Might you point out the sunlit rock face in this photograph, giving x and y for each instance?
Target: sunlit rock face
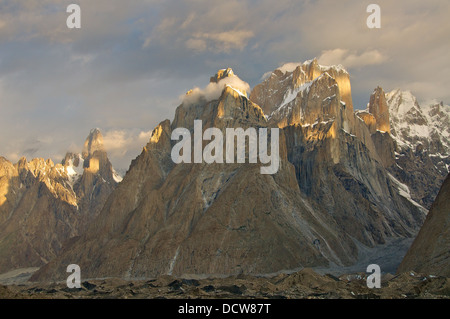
(287, 91)
(379, 109)
(341, 158)
(369, 119)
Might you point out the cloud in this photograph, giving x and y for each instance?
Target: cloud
(351, 59)
(288, 67)
(198, 45)
(220, 41)
(124, 145)
(120, 142)
(213, 90)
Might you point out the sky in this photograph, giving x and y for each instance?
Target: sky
(127, 67)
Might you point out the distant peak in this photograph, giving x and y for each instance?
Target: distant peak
(94, 142)
(95, 131)
(288, 67)
(312, 64)
(378, 89)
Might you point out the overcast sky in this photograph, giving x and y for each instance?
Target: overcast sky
(126, 68)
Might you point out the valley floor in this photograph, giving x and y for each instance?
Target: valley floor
(305, 284)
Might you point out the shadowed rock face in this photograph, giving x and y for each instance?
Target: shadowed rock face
(430, 252)
(331, 190)
(43, 205)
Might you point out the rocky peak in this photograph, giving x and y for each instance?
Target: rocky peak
(413, 124)
(221, 74)
(94, 142)
(43, 204)
(288, 82)
(379, 109)
(224, 100)
(94, 154)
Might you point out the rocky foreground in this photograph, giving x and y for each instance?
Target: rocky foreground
(305, 284)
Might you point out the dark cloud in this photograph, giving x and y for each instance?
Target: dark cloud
(126, 68)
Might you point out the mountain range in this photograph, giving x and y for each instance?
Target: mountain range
(349, 182)
(43, 205)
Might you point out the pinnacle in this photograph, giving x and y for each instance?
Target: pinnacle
(222, 74)
(94, 142)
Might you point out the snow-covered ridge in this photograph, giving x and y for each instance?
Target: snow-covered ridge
(74, 172)
(413, 124)
(291, 66)
(404, 191)
(290, 96)
(236, 90)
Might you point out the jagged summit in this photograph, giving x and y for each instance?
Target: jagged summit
(413, 124)
(221, 74)
(223, 79)
(380, 110)
(42, 204)
(411, 139)
(310, 65)
(94, 142)
(288, 87)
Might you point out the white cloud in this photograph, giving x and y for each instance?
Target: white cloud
(213, 90)
(219, 41)
(198, 45)
(288, 67)
(120, 142)
(351, 59)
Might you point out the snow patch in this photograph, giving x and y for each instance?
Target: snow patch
(174, 259)
(404, 191)
(117, 178)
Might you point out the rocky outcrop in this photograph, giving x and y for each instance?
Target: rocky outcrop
(369, 119)
(429, 252)
(379, 109)
(43, 205)
(98, 179)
